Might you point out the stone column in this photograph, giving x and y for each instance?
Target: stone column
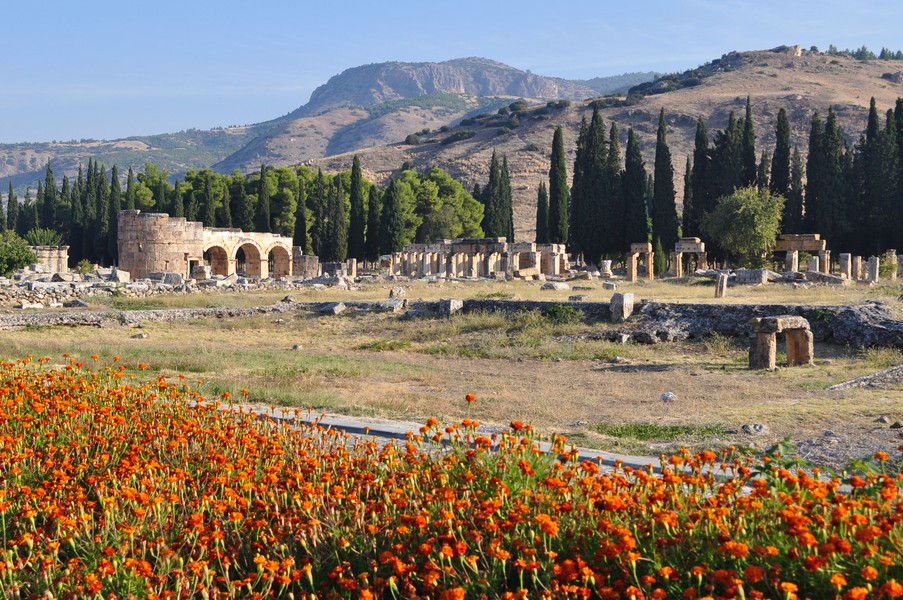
(900, 266)
(792, 261)
(813, 264)
(720, 285)
(824, 261)
(650, 266)
(605, 269)
(677, 264)
(702, 260)
(845, 260)
(800, 349)
(476, 261)
(874, 266)
(763, 351)
(856, 268)
(892, 260)
(632, 267)
(621, 307)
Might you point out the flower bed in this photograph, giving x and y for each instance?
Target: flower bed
(109, 486)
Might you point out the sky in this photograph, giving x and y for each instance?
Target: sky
(111, 69)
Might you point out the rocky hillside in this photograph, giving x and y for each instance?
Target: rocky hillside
(774, 79)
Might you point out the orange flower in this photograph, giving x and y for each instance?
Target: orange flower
(838, 580)
(891, 589)
(452, 594)
(869, 573)
(754, 574)
(470, 398)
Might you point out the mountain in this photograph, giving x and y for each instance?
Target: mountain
(786, 77)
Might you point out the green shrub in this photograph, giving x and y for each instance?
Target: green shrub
(84, 266)
(562, 313)
(14, 253)
(43, 237)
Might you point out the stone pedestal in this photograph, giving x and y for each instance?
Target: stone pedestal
(763, 351)
(605, 269)
(824, 262)
(856, 268)
(874, 266)
(891, 257)
(632, 267)
(621, 307)
(677, 264)
(800, 348)
(813, 264)
(792, 261)
(845, 265)
(721, 285)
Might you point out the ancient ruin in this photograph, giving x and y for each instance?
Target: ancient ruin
(155, 242)
(482, 257)
(763, 341)
(688, 245)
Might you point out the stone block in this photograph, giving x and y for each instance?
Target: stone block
(643, 248)
(763, 351)
(621, 307)
(800, 349)
(333, 308)
(578, 298)
(689, 245)
(555, 285)
(609, 285)
(393, 305)
(751, 276)
(449, 306)
(721, 285)
(792, 261)
(874, 268)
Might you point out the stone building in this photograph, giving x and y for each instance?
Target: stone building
(483, 257)
(156, 242)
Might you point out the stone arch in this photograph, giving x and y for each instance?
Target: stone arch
(218, 258)
(279, 260)
(249, 258)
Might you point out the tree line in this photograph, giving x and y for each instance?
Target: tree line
(334, 216)
(851, 194)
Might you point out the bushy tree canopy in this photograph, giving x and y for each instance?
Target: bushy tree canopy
(14, 253)
(745, 223)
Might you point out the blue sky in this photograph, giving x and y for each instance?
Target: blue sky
(109, 69)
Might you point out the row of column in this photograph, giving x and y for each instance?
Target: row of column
(854, 268)
(476, 264)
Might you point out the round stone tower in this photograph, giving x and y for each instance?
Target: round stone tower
(156, 242)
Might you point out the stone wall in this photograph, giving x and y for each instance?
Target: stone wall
(155, 242)
(55, 257)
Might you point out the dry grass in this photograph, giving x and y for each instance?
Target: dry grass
(376, 365)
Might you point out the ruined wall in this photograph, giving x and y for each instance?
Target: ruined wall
(155, 242)
(55, 257)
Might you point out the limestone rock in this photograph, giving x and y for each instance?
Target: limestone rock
(333, 308)
(754, 429)
(578, 298)
(393, 305)
(449, 306)
(397, 292)
(555, 285)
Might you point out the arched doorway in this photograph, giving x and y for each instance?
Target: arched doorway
(280, 262)
(218, 259)
(248, 260)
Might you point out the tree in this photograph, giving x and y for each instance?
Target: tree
(114, 206)
(178, 203)
(664, 210)
(495, 213)
(262, 212)
(372, 245)
(224, 210)
(589, 194)
(814, 170)
(763, 170)
(130, 203)
(746, 223)
(391, 222)
(337, 224)
(559, 195)
(700, 185)
(319, 198)
(299, 237)
(506, 203)
(792, 221)
(14, 253)
(686, 214)
(241, 209)
(749, 147)
(50, 200)
(12, 209)
(357, 223)
(542, 214)
(780, 160)
(636, 215)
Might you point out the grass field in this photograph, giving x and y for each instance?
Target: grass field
(601, 394)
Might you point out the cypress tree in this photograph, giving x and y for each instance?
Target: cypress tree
(38, 207)
(89, 230)
(659, 259)
(178, 204)
(780, 160)
(338, 220)
(262, 212)
(372, 245)
(636, 216)
(559, 195)
(814, 173)
(64, 208)
(589, 193)
(391, 222)
(830, 215)
(102, 215)
(242, 211)
(664, 209)
(160, 199)
(613, 210)
(114, 206)
(224, 211)
(542, 215)
(76, 220)
(577, 211)
(358, 218)
(726, 170)
(687, 212)
(493, 218)
(3, 215)
(209, 215)
(192, 208)
(701, 188)
(749, 148)
(299, 237)
(506, 204)
(50, 200)
(318, 230)
(12, 209)
(792, 219)
(763, 170)
(130, 202)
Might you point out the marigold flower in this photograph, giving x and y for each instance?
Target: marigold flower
(869, 573)
(891, 589)
(856, 593)
(470, 398)
(753, 574)
(452, 594)
(838, 580)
